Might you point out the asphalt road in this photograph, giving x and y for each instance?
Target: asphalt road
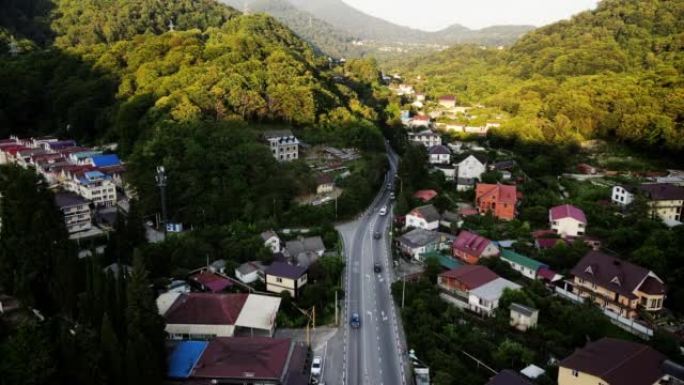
(373, 353)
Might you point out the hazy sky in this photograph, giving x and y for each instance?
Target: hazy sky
(432, 15)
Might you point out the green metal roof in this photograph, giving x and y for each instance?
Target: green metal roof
(520, 259)
(445, 261)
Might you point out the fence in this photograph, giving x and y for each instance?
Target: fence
(626, 324)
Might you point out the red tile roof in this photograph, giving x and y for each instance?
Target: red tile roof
(567, 211)
(548, 243)
(251, 359)
(471, 243)
(618, 362)
(471, 276)
(213, 282)
(425, 195)
(502, 193)
(205, 309)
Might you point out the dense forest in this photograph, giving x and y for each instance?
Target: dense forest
(614, 72)
(186, 84)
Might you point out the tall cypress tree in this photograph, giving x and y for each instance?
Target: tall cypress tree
(145, 354)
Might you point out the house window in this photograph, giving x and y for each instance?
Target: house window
(575, 373)
(279, 280)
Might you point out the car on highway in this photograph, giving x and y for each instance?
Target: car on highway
(355, 321)
(383, 210)
(316, 366)
(377, 267)
(377, 235)
(392, 196)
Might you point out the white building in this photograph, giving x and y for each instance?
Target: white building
(439, 154)
(284, 145)
(427, 138)
(448, 171)
(485, 299)
(471, 168)
(567, 221)
(424, 217)
(271, 240)
(250, 272)
(622, 196)
(95, 187)
(419, 121)
(523, 317)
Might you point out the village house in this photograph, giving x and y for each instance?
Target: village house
(76, 211)
(439, 154)
(427, 138)
(95, 187)
(484, 300)
(508, 377)
(283, 144)
(238, 360)
(448, 171)
(209, 315)
(459, 281)
(470, 247)
(425, 195)
(419, 121)
(324, 184)
(469, 171)
(526, 266)
(450, 220)
(424, 217)
(622, 195)
(271, 240)
(419, 241)
(281, 277)
(617, 285)
(447, 101)
(665, 201)
(420, 97)
(611, 361)
(304, 251)
(209, 281)
(523, 317)
(567, 221)
(498, 199)
(250, 272)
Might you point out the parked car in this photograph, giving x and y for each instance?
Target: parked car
(316, 366)
(355, 321)
(377, 268)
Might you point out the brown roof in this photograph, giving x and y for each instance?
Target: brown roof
(244, 358)
(618, 362)
(508, 377)
(205, 309)
(471, 276)
(662, 192)
(613, 273)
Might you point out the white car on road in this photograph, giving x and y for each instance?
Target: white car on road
(316, 366)
(383, 210)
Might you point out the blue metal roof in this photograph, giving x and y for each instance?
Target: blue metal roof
(106, 160)
(184, 357)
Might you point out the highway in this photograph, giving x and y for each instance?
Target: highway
(373, 353)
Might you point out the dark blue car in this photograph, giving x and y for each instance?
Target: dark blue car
(355, 321)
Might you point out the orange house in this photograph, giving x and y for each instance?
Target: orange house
(499, 199)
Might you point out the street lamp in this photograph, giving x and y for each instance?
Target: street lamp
(161, 183)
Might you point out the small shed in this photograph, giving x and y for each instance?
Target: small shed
(523, 317)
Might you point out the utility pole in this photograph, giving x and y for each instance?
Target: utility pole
(403, 289)
(161, 183)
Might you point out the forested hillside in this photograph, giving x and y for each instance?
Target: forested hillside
(615, 72)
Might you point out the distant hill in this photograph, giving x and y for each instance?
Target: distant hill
(323, 36)
(614, 72)
(337, 29)
(345, 17)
